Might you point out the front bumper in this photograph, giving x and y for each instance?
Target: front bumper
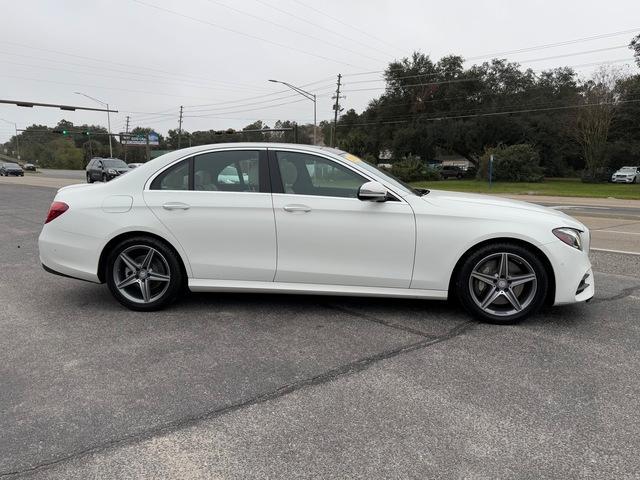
(14, 174)
(623, 180)
(573, 274)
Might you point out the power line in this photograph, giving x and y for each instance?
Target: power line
(321, 27)
(244, 34)
(295, 95)
(521, 50)
(489, 114)
(349, 25)
(144, 80)
(258, 96)
(322, 40)
(137, 67)
(248, 110)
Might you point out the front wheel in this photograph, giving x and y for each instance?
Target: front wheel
(502, 283)
(104, 178)
(144, 274)
(89, 179)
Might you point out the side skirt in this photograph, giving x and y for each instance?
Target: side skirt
(203, 285)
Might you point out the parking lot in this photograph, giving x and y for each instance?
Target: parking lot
(265, 386)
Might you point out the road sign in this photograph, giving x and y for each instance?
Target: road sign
(139, 140)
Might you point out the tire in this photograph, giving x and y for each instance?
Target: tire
(89, 179)
(104, 178)
(136, 283)
(476, 283)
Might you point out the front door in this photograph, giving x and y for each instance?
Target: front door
(219, 208)
(326, 235)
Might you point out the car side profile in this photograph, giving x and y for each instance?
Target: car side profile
(286, 218)
(451, 171)
(105, 169)
(626, 175)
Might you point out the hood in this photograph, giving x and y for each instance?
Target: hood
(497, 206)
(11, 167)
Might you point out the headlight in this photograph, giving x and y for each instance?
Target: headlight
(111, 171)
(570, 236)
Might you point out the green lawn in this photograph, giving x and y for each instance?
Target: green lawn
(563, 187)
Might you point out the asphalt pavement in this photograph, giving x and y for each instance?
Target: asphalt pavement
(266, 386)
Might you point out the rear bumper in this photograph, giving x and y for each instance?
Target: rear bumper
(69, 254)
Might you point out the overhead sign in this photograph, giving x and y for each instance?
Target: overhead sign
(139, 140)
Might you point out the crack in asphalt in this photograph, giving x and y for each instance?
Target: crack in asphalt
(381, 321)
(626, 292)
(320, 379)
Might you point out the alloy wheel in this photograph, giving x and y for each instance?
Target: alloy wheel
(141, 274)
(503, 284)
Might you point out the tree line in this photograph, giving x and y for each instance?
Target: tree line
(571, 125)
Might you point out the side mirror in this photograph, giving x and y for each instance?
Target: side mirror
(372, 192)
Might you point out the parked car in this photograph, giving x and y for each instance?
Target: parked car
(626, 175)
(135, 165)
(451, 171)
(105, 169)
(310, 220)
(7, 169)
(29, 166)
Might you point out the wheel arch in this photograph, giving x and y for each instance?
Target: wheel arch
(130, 234)
(551, 291)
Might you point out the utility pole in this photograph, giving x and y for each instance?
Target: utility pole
(126, 139)
(336, 110)
(180, 128)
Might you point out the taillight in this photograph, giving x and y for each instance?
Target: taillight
(55, 210)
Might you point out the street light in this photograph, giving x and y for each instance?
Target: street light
(108, 118)
(304, 93)
(15, 125)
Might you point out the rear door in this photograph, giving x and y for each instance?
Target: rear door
(218, 206)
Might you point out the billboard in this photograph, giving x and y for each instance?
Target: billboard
(139, 140)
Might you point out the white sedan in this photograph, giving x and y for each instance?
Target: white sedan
(285, 218)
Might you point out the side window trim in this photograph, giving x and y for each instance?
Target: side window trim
(264, 178)
(276, 178)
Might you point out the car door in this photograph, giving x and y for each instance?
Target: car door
(326, 235)
(218, 205)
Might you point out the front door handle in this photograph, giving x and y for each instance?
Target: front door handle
(296, 208)
(176, 206)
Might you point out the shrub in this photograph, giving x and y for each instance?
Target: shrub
(515, 163)
(413, 170)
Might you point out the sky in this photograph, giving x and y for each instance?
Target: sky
(146, 58)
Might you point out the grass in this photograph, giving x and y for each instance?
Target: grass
(561, 187)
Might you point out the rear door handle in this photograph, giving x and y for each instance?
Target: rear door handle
(176, 206)
(296, 208)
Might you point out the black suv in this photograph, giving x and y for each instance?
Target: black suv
(451, 171)
(105, 169)
(7, 169)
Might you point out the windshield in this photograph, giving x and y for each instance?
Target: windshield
(114, 163)
(628, 169)
(400, 185)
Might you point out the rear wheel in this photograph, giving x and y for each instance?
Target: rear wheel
(502, 283)
(144, 274)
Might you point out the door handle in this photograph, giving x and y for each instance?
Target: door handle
(176, 206)
(296, 208)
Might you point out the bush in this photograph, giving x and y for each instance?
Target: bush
(413, 170)
(516, 163)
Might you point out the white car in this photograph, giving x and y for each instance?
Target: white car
(310, 220)
(626, 175)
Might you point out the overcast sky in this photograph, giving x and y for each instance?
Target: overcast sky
(215, 56)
